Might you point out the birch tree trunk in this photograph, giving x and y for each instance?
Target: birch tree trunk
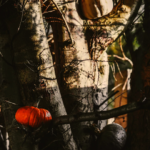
(78, 77)
(82, 66)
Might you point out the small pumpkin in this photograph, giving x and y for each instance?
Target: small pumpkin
(32, 116)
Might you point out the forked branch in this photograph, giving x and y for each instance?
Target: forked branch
(124, 58)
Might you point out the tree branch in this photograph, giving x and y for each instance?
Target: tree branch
(102, 115)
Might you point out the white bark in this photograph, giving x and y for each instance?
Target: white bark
(100, 92)
(47, 73)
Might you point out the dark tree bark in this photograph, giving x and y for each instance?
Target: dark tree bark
(10, 92)
(139, 122)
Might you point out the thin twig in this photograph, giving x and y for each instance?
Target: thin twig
(48, 12)
(113, 65)
(124, 58)
(125, 83)
(8, 102)
(45, 1)
(46, 8)
(113, 72)
(138, 17)
(119, 69)
(116, 86)
(129, 71)
(114, 99)
(1, 54)
(23, 6)
(51, 38)
(108, 98)
(29, 68)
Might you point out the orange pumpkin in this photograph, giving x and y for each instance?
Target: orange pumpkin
(32, 116)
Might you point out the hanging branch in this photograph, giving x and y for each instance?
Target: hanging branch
(102, 115)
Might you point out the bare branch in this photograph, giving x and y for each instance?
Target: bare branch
(112, 68)
(116, 86)
(124, 56)
(102, 115)
(119, 69)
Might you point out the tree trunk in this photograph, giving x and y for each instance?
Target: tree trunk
(34, 65)
(78, 78)
(139, 122)
(82, 65)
